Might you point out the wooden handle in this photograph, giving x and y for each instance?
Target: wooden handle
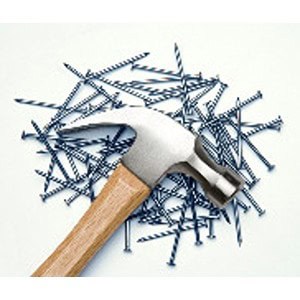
(121, 195)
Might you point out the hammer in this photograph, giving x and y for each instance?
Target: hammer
(161, 146)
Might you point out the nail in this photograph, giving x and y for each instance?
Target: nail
(169, 232)
(237, 221)
(211, 234)
(192, 185)
(178, 93)
(154, 70)
(127, 231)
(185, 95)
(253, 202)
(139, 87)
(75, 108)
(51, 151)
(253, 148)
(148, 81)
(40, 104)
(97, 174)
(119, 65)
(203, 92)
(274, 124)
(82, 156)
(54, 138)
(243, 205)
(125, 89)
(71, 184)
(219, 94)
(155, 196)
(171, 261)
(63, 107)
(232, 111)
(179, 85)
(90, 179)
(225, 215)
(226, 138)
(49, 173)
(212, 151)
(176, 90)
(239, 135)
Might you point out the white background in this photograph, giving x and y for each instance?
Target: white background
(247, 57)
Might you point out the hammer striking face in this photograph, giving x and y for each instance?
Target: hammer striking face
(161, 146)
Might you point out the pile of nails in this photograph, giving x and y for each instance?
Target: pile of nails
(178, 202)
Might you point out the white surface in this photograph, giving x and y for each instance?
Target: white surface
(247, 57)
(150, 11)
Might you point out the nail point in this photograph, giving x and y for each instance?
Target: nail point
(262, 213)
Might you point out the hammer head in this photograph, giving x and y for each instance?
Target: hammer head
(163, 146)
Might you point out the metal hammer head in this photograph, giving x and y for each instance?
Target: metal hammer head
(163, 146)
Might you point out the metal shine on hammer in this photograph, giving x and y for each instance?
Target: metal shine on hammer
(161, 146)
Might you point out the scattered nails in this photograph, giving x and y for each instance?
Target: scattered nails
(83, 161)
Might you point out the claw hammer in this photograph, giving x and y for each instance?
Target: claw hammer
(161, 146)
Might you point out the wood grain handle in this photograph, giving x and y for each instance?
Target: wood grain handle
(121, 195)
